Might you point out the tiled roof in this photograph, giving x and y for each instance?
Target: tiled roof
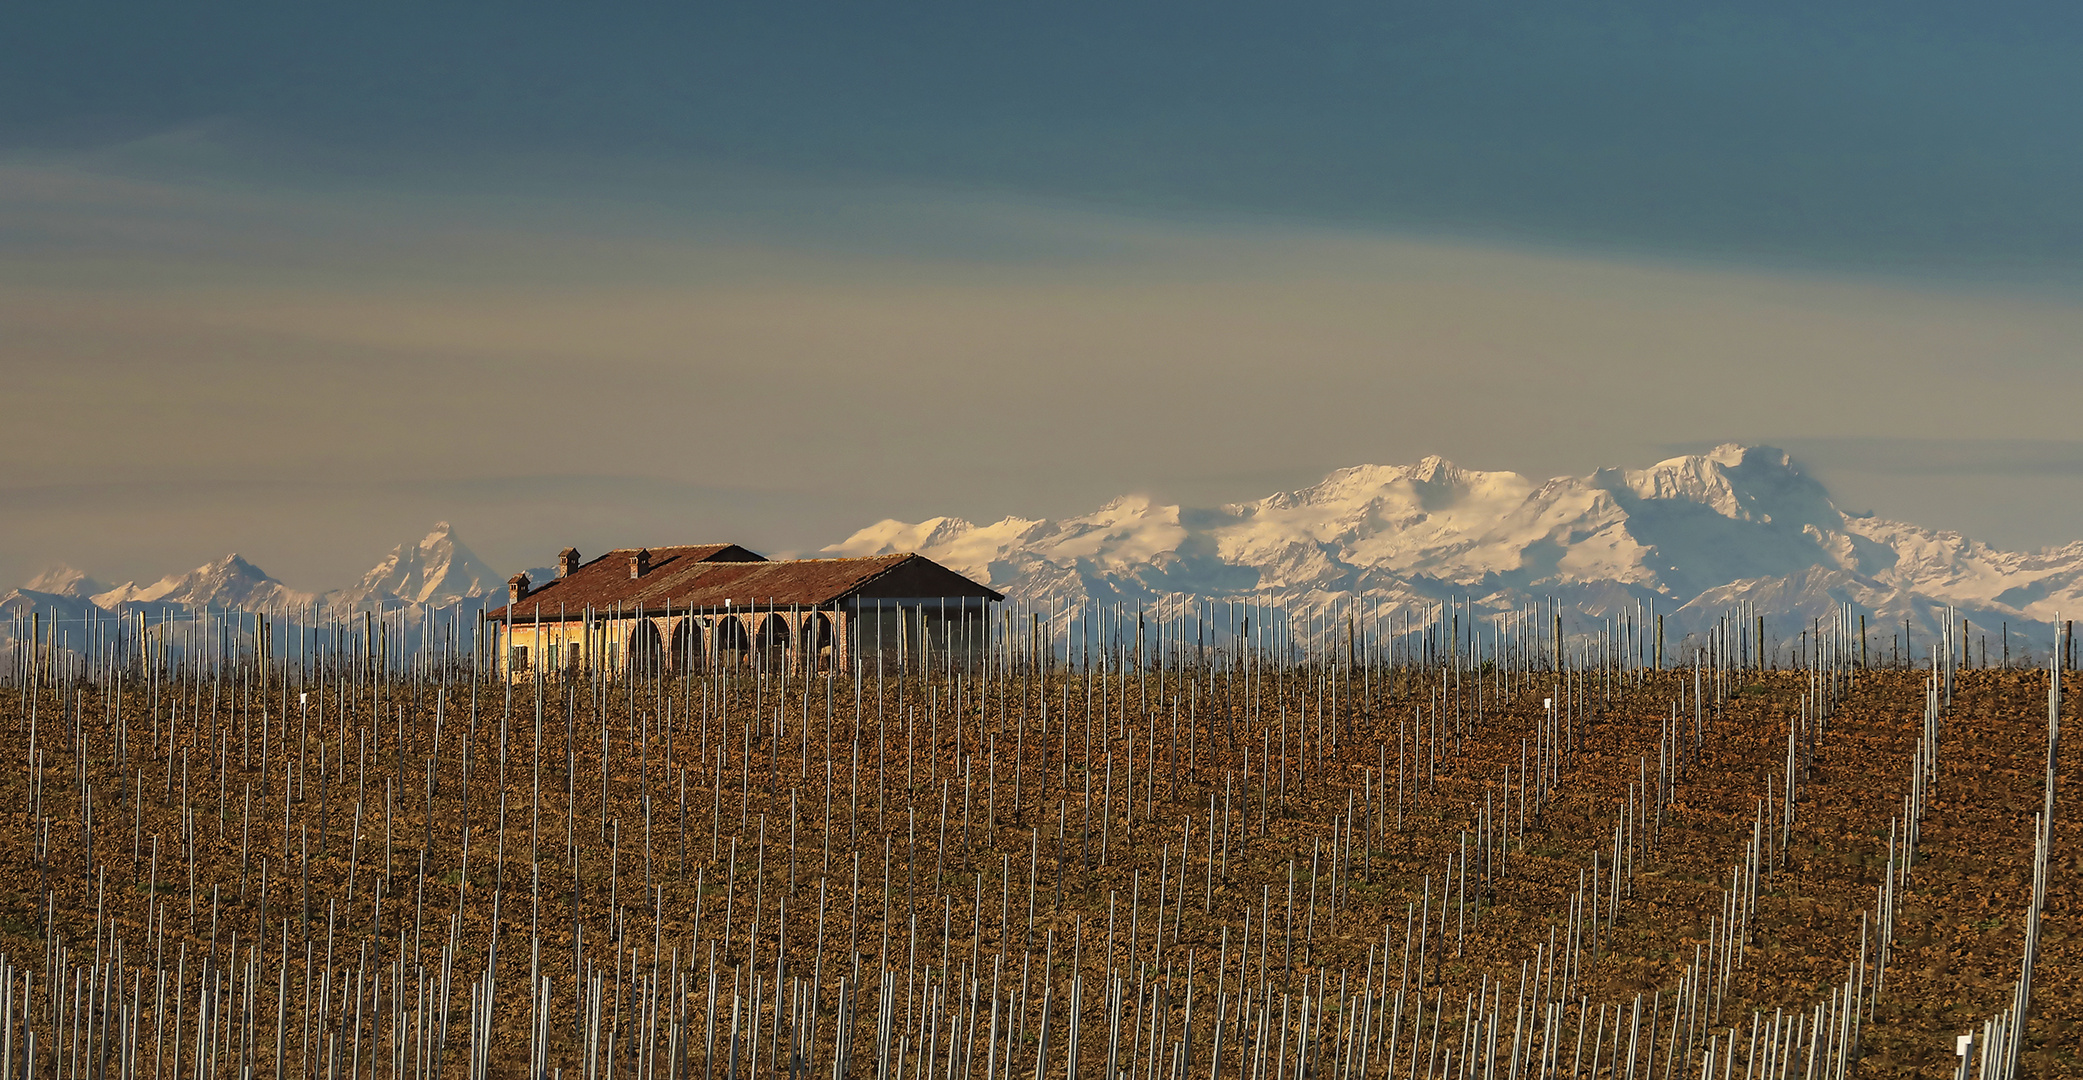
(688, 582)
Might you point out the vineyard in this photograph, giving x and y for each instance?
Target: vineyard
(1381, 849)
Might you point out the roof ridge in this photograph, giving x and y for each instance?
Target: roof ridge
(673, 547)
(898, 560)
(706, 584)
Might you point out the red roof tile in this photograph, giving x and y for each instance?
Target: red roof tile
(687, 579)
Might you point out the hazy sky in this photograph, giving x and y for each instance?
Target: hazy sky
(299, 283)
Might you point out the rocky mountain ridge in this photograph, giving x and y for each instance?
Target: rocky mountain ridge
(436, 571)
(1692, 536)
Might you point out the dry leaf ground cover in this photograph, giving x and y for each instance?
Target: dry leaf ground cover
(603, 844)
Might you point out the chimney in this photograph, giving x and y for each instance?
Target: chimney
(640, 563)
(567, 562)
(517, 588)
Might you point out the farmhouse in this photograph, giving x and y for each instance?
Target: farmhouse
(684, 610)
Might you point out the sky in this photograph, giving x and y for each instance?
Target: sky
(299, 282)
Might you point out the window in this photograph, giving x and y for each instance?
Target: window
(518, 658)
(573, 663)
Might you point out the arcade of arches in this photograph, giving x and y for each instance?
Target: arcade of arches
(685, 644)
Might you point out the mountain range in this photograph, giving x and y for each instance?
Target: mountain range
(437, 571)
(1691, 537)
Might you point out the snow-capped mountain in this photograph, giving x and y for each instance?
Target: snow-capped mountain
(438, 570)
(62, 580)
(229, 583)
(52, 607)
(1691, 536)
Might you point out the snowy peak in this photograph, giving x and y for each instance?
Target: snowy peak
(890, 535)
(2037, 585)
(63, 580)
(1692, 535)
(1433, 515)
(437, 570)
(1756, 484)
(228, 583)
(1732, 523)
(1430, 469)
(54, 608)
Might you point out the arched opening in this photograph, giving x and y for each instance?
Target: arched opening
(645, 657)
(687, 647)
(814, 637)
(772, 639)
(729, 639)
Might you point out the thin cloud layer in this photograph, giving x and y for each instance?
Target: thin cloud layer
(212, 356)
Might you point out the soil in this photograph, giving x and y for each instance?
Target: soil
(578, 855)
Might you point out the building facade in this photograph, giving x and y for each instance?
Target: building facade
(690, 610)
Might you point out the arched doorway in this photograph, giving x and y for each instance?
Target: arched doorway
(772, 639)
(645, 657)
(729, 640)
(686, 657)
(814, 637)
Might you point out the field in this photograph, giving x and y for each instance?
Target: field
(1338, 864)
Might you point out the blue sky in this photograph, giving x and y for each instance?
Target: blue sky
(1100, 237)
